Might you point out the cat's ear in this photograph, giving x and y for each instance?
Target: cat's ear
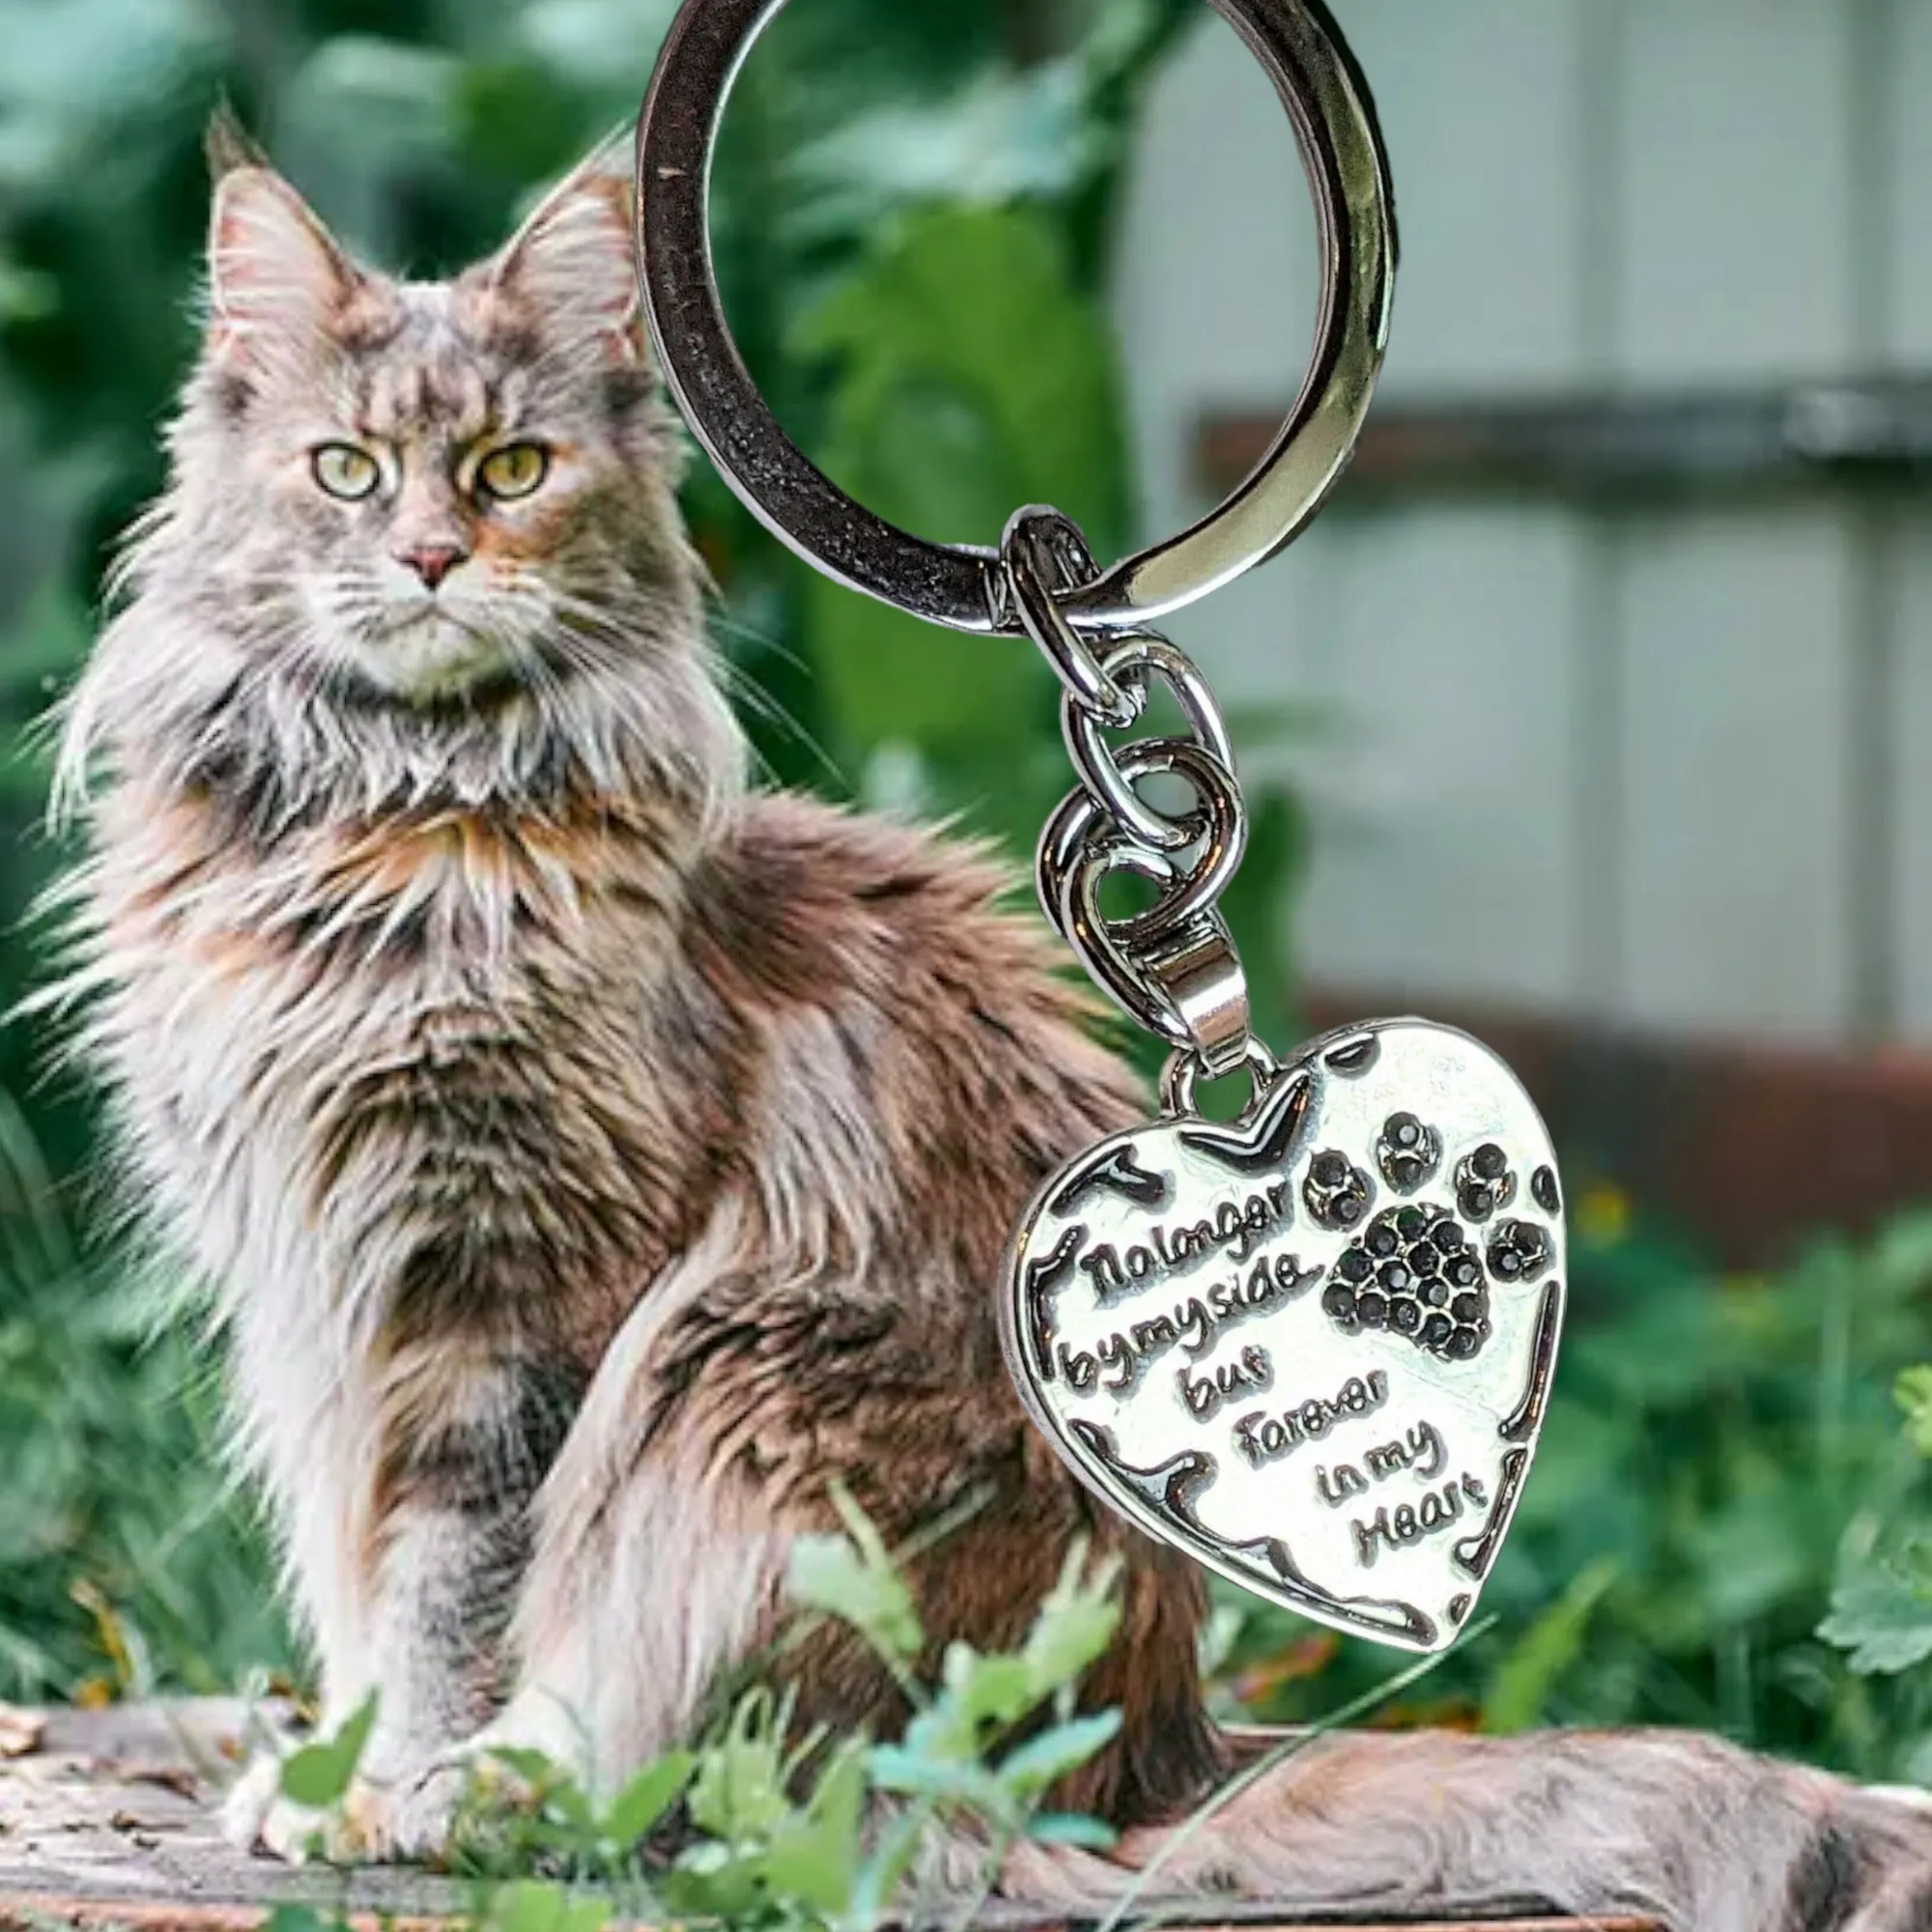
(228, 145)
(572, 261)
(275, 275)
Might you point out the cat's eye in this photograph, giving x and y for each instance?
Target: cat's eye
(345, 471)
(514, 470)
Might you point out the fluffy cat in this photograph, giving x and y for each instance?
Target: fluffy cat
(591, 1157)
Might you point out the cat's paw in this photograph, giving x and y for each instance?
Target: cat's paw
(416, 1819)
(412, 1819)
(249, 1800)
(256, 1816)
(378, 1821)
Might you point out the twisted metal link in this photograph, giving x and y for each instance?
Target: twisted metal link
(1174, 966)
(1129, 661)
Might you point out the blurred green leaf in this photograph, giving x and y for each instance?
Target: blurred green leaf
(318, 1774)
(972, 378)
(1075, 1624)
(648, 1796)
(1521, 1684)
(815, 1854)
(1912, 1392)
(1069, 1827)
(1882, 1613)
(852, 1577)
(1057, 1752)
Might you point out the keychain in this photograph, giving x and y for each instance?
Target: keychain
(1312, 1347)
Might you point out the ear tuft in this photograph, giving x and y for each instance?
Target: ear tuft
(275, 275)
(573, 260)
(228, 145)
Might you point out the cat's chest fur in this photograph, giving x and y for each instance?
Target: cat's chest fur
(404, 1067)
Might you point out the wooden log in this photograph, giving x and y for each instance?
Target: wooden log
(107, 1820)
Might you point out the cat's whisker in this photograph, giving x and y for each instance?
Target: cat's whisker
(740, 685)
(721, 621)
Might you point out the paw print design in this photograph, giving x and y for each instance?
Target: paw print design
(1483, 1182)
(1409, 1153)
(1415, 1270)
(1336, 1190)
(1519, 1251)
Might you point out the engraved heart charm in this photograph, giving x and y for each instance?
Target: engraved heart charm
(1313, 1350)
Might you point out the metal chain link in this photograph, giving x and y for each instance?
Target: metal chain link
(1172, 967)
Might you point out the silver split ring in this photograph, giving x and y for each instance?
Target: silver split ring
(957, 585)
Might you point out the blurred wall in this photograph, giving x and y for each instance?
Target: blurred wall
(1664, 764)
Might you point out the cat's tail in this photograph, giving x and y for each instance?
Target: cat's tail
(1629, 1827)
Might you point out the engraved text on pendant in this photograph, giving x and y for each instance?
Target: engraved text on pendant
(1313, 1351)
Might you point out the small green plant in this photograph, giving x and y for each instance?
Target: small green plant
(1882, 1601)
(781, 1828)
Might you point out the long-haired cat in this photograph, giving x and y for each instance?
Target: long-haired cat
(591, 1157)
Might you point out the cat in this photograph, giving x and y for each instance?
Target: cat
(589, 1155)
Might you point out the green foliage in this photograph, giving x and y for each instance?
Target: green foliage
(1882, 1610)
(125, 1561)
(971, 380)
(772, 1825)
(1523, 1683)
(1882, 1604)
(1912, 1392)
(852, 1578)
(943, 1762)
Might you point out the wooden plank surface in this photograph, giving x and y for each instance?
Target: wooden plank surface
(107, 1820)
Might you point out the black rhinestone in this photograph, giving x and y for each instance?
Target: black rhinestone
(1465, 1274)
(1489, 1160)
(1355, 1264)
(1423, 1258)
(1543, 1185)
(1373, 1308)
(1405, 1318)
(1436, 1330)
(1339, 1302)
(1506, 1262)
(1404, 1129)
(1347, 1209)
(1382, 1240)
(1436, 1292)
(1462, 1344)
(1447, 1235)
(1468, 1308)
(1393, 1276)
(1329, 1169)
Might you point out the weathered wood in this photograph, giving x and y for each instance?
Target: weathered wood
(1747, 444)
(107, 1819)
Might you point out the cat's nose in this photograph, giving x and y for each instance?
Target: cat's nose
(432, 562)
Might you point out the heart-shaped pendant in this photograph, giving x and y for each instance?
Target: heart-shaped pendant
(1311, 1349)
